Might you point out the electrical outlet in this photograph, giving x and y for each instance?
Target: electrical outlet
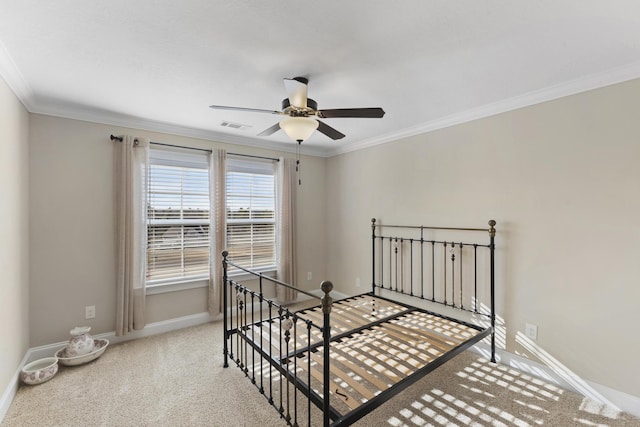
(90, 312)
(309, 275)
(357, 282)
(531, 331)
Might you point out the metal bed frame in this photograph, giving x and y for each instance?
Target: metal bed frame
(294, 357)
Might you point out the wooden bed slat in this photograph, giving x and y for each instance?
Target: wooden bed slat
(395, 327)
(420, 351)
(442, 326)
(371, 360)
(339, 322)
(375, 308)
(369, 375)
(349, 401)
(345, 377)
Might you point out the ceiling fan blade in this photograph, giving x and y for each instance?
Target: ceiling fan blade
(297, 91)
(271, 130)
(253, 110)
(373, 113)
(329, 131)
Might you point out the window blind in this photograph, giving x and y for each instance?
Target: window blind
(177, 217)
(250, 191)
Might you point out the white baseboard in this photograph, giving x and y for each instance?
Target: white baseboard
(155, 328)
(605, 395)
(623, 401)
(567, 380)
(149, 330)
(50, 349)
(12, 389)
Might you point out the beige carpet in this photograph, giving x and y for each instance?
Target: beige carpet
(177, 379)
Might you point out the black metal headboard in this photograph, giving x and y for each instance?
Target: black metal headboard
(442, 265)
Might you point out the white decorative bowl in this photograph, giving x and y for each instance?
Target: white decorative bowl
(100, 345)
(39, 371)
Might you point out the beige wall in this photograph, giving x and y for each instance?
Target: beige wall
(560, 178)
(72, 227)
(562, 181)
(14, 234)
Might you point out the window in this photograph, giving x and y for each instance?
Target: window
(178, 217)
(250, 191)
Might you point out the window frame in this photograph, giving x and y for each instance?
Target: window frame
(174, 158)
(257, 166)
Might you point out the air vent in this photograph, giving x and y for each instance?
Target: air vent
(232, 125)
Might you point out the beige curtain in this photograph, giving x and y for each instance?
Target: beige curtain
(285, 227)
(132, 166)
(218, 229)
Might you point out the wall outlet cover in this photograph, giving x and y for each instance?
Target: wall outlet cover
(531, 331)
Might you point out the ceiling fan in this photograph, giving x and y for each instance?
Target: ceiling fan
(299, 125)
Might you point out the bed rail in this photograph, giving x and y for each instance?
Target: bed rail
(407, 261)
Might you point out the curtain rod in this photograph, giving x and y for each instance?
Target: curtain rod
(119, 139)
(255, 157)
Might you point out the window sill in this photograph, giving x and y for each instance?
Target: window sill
(181, 285)
(202, 282)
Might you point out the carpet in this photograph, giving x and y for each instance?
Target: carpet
(177, 379)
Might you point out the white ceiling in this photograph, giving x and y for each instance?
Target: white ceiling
(159, 64)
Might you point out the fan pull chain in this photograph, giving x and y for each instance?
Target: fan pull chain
(298, 162)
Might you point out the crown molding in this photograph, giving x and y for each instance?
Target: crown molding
(572, 87)
(14, 78)
(21, 88)
(18, 84)
(88, 114)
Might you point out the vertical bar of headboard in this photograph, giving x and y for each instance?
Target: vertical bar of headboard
(492, 249)
(390, 263)
(453, 274)
(373, 256)
(421, 262)
(381, 276)
(444, 271)
(461, 281)
(475, 278)
(411, 266)
(433, 270)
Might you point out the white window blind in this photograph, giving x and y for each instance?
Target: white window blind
(178, 217)
(250, 188)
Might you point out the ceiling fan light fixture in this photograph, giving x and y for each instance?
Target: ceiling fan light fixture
(299, 128)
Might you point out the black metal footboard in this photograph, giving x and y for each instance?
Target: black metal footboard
(265, 339)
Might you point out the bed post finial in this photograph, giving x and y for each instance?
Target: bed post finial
(326, 287)
(492, 230)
